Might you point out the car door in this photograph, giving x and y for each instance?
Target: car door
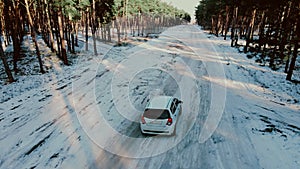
(175, 108)
(177, 104)
(173, 111)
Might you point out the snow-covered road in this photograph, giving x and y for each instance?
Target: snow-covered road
(86, 115)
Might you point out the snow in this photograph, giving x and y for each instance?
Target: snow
(236, 113)
(269, 108)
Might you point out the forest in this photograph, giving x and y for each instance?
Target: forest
(59, 23)
(270, 29)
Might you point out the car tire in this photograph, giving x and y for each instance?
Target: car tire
(180, 111)
(144, 134)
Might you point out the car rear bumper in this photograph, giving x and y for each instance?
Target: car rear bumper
(157, 131)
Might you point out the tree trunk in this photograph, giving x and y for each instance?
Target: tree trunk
(2, 21)
(226, 22)
(293, 62)
(72, 38)
(143, 25)
(295, 53)
(102, 32)
(261, 33)
(68, 33)
(285, 31)
(233, 26)
(126, 19)
(108, 32)
(249, 33)
(218, 24)
(6, 66)
(287, 63)
(76, 34)
(138, 23)
(33, 36)
(58, 40)
(93, 22)
(118, 30)
(11, 22)
(61, 36)
(49, 27)
(87, 30)
(133, 24)
(213, 25)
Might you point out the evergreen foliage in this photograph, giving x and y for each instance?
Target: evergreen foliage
(270, 28)
(59, 22)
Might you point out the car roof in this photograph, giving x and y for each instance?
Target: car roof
(160, 102)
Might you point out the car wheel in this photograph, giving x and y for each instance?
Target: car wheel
(180, 111)
(144, 134)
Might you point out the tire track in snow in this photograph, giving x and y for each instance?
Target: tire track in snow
(34, 126)
(186, 157)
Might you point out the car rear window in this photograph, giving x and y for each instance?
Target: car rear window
(156, 114)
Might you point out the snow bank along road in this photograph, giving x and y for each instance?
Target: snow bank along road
(87, 115)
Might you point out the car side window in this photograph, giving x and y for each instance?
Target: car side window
(176, 102)
(173, 107)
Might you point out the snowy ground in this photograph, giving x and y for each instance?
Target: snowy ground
(236, 114)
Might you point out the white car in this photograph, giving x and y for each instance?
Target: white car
(160, 115)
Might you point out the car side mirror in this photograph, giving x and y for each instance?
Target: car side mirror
(180, 101)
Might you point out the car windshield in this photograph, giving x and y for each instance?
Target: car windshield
(156, 114)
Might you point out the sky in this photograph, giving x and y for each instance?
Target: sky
(187, 5)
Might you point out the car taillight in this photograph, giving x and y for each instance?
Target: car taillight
(143, 120)
(169, 122)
